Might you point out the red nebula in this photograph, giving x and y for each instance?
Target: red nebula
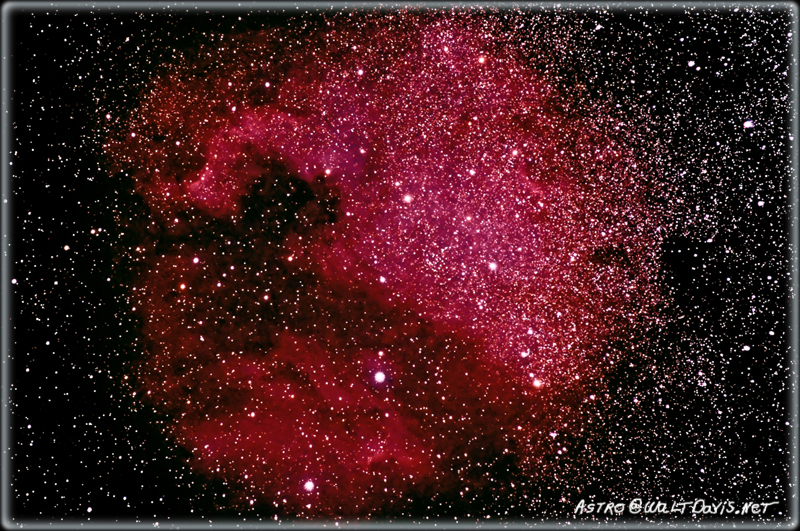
(399, 195)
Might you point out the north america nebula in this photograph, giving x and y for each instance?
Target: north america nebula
(383, 261)
(305, 265)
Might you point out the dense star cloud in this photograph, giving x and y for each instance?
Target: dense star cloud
(380, 261)
(474, 265)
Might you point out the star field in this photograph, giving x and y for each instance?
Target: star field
(452, 264)
(407, 201)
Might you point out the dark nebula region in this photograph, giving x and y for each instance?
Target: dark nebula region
(381, 262)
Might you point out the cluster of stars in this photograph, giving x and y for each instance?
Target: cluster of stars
(407, 274)
(270, 191)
